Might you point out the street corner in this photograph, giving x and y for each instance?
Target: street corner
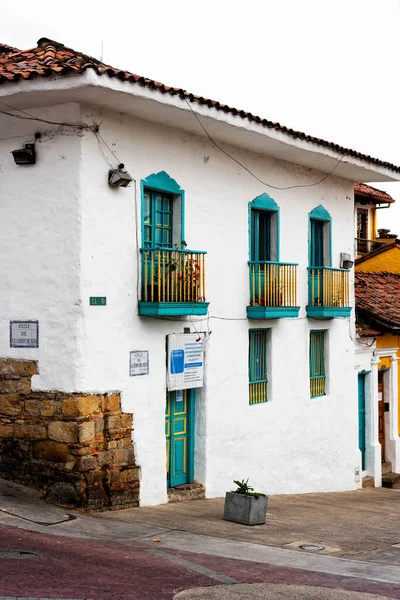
(270, 591)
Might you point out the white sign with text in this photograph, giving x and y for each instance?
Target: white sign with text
(185, 361)
(24, 334)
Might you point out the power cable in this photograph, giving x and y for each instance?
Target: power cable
(30, 117)
(275, 187)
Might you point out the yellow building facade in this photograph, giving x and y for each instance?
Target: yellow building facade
(384, 260)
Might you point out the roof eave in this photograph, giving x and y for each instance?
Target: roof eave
(171, 110)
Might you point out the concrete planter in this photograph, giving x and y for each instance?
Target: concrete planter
(248, 510)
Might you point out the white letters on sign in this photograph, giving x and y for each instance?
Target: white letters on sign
(24, 334)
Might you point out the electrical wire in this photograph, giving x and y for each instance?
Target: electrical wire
(108, 147)
(102, 151)
(275, 187)
(30, 117)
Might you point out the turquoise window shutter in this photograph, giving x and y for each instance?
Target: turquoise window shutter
(317, 363)
(258, 369)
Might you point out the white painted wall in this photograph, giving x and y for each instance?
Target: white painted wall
(39, 242)
(292, 444)
(88, 247)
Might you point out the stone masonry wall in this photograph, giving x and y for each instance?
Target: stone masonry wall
(76, 448)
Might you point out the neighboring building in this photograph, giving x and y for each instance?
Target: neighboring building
(377, 292)
(104, 272)
(368, 200)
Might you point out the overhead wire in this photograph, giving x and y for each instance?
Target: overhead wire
(30, 117)
(275, 187)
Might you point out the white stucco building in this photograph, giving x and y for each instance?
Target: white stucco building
(260, 283)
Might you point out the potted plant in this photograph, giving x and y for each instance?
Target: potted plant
(383, 233)
(244, 505)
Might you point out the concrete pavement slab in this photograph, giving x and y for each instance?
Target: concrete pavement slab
(276, 556)
(358, 525)
(262, 591)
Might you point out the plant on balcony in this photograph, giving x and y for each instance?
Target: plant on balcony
(244, 505)
(383, 233)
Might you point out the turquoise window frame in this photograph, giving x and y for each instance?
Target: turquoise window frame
(320, 214)
(258, 366)
(317, 361)
(267, 204)
(162, 182)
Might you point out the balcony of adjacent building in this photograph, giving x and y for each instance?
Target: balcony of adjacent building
(328, 293)
(273, 290)
(364, 246)
(173, 282)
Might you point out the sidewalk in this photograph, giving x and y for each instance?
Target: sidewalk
(190, 546)
(360, 525)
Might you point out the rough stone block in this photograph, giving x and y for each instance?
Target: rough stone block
(128, 475)
(98, 426)
(112, 403)
(117, 422)
(62, 493)
(81, 406)
(32, 407)
(10, 405)
(85, 463)
(29, 431)
(6, 430)
(23, 368)
(122, 456)
(103, 459)
(63, 431)
(85, 432)
(81, 451)
(51, 451)
(48, 408)
(94, 477)
(21, 385)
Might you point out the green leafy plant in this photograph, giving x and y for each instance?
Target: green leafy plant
(246, 490)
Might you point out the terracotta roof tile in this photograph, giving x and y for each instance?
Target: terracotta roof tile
(5, 49)
(378, 299)
(375, 195)
(365, 331)
(51, 57)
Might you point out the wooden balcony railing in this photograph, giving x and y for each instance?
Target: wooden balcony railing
(273, 284)
(328, 287)
(171, 275)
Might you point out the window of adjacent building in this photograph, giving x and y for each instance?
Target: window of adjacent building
(258, 375)
(362, 223)
(317, 363)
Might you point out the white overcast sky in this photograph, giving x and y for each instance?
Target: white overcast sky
(326, 67)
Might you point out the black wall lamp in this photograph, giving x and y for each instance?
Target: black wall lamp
(25, 155)
(119, 177)
(345, 261)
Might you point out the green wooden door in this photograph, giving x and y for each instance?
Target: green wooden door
(361, 416)
(260, 251)
(317, 260)
(179, 431)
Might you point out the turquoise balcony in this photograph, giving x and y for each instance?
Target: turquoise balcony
(328, 293)
(173, 282)
(273, 290)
